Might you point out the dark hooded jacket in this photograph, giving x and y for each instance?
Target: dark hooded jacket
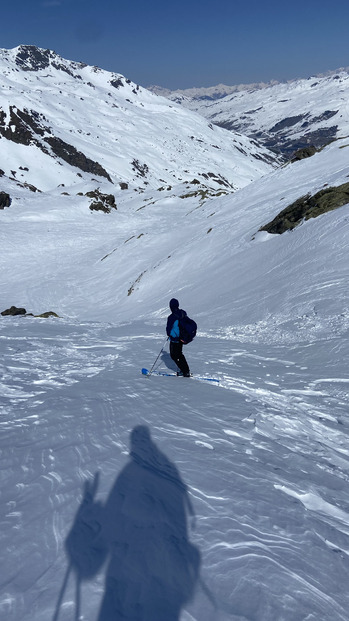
(172, 327)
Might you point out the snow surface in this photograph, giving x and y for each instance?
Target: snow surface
(265, 457)
(233, 504)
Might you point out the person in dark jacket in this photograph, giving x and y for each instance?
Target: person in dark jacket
(176, 346)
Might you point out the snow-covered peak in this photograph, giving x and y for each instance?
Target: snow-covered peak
(63, 121)
(32, 58)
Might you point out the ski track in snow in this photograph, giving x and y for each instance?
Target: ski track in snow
(265, 456)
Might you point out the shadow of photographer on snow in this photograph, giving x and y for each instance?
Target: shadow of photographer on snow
(142, 533)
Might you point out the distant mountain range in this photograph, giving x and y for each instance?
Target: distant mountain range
(210, 93)
(283, 117)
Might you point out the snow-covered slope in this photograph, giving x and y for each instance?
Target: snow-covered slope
(263, 457)
(127, 262)
(205, 502)
(54, 111)
(283, 116)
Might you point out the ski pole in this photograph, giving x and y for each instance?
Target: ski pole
(151, 370)
(61, 594)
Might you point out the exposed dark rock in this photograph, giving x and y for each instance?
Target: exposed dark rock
(141, 168)
(5, 200)
(203, 193)
(28, 127)
(117, 83)
(136, 282)
(229, 125)
(101, 202)
(301, 154)
(32, 58)
(21, 127)
(47, 314)
(307, 207)
(123, 185)
(287, 122)
(287, 146)
(72, 156)
(217, 179)
(14, 311)
(328, 114)
(30, 187)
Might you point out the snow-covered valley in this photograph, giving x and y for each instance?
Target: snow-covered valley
(135, 498)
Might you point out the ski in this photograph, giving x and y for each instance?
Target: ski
(197, 377)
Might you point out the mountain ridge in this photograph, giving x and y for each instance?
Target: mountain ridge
(100, 123)
(218, 91)
(283, 116)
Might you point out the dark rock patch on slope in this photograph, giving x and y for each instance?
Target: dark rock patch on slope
(307, 207)
(30, 128)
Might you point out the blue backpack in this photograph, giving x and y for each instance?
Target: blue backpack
(187, 329)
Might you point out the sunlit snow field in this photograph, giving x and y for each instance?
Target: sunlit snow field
(133, 498)
(265, 457)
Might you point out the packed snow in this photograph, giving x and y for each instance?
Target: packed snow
(125, 497)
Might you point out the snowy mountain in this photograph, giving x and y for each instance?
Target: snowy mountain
(207, 93)
(164, 498)
(283, 116)
(55, 112)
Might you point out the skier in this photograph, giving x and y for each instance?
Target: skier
(176, 346)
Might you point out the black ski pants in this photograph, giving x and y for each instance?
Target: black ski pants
(178, 357)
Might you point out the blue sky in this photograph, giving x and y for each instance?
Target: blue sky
(187, 43)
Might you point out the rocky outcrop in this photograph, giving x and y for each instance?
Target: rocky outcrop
(5, 200)
(29, 127)
(101, 202)
(14, 311)
(301, 154)
(46, 315)
(140, 169)
(307, 207)
(32, 58)
(72, 156)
